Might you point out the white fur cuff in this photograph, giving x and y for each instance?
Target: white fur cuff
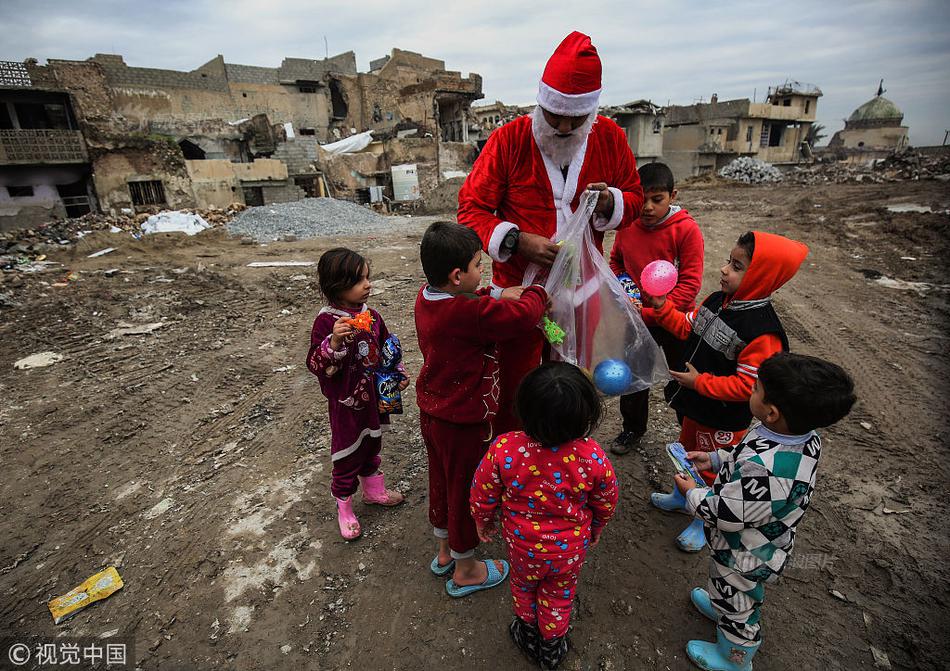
(567, 104)
(494, 242)
(604, 224)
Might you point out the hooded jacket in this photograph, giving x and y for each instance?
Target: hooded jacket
(730, 335)
(676, 239)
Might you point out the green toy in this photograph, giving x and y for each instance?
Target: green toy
(554, 333)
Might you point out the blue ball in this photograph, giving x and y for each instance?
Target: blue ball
(612, 376)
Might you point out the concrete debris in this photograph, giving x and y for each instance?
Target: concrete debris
(40, 360)
(281, 264)
(101, 252)
(175, 222)
(307, 218)
(751, 171)
(130, 329)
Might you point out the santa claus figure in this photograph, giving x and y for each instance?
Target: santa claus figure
(528, 181)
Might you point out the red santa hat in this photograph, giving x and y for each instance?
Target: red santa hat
(570, 85)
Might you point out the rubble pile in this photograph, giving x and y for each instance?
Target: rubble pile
(751, 171)
(914, 165)
(24, 245)
(307, 218)
(834, 173)
(896, 167)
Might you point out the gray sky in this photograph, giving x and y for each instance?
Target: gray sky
(669, 51)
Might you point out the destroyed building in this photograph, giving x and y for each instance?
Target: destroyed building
(702, 138)
(872, 131)
(101, 135)
(643, 123)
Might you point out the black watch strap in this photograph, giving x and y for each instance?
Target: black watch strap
(510, 242)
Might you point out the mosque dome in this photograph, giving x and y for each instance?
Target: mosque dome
(877, 109)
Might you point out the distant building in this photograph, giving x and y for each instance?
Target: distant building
(702, 138)
(643, 124)
(874, 128)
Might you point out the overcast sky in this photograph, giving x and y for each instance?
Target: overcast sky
(666, 50)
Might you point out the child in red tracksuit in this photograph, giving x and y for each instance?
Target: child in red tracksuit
(458, 327)
(664, 232)
(556, 490)
(727, 338)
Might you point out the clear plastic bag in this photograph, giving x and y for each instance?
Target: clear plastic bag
(593, 323)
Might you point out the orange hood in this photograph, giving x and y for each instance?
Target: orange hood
(775, 261)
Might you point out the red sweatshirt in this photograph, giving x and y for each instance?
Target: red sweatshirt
(457, 335)
(677, 240)
(775, 261)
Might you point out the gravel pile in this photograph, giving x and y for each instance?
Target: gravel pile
(751, 171)
(307, 218)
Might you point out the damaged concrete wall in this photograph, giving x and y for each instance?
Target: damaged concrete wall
(30, 211)
(144, 160)
(455, 158)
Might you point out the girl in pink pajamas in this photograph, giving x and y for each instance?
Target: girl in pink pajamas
(556, 490)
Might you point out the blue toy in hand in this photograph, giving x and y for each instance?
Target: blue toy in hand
(612, 376)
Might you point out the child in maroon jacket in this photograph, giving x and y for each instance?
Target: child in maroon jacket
(663, 232)
(556, 490)
(343, 357)
(458, 327)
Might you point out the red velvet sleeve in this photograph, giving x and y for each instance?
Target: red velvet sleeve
(506, 319)
(483, 190)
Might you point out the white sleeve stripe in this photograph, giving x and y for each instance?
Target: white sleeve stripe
(754, 376)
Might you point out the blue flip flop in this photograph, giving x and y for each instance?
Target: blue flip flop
(494, 579)
(440, 570)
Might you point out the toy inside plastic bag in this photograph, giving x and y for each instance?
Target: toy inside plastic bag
(592, 323)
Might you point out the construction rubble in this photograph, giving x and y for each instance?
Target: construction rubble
(751, 171)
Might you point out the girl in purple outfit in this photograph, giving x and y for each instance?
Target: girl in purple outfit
(343, 358)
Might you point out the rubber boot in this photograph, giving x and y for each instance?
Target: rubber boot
(526, 637)
(674, 502)
(552, 652)
(723, 655)
(374, 491)
(692, 538)
(349, 525)
(700, 599)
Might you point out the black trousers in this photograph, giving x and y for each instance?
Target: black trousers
(635, 408)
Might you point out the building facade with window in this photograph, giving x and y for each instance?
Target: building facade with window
(702, 138)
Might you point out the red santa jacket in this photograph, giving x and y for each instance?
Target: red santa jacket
(513, 185)
(678, 240)
(552, 498)
(457, 335)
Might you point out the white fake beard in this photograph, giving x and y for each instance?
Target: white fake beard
(561, 150)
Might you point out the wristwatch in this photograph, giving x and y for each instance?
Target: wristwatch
(509, 243)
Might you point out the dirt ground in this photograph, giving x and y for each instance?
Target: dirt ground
(196, 459)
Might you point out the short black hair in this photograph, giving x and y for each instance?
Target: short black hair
(656, 177)
(747, 242)
(557, 403)
(445, 247)
(808, 391)
(338, 270)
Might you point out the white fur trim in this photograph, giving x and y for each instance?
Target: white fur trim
(567, 104)
(564, 190)
(494, 242)
(604, 224)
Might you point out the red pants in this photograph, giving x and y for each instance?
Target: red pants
(454, 452)
(516, 358)
(543, 590)
(698, 438)
(364, 462)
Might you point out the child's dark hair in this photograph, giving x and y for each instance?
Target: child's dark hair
(809, 392)
(339, 269)
(656, 177)
(747, 242)
(558, 403)
(445, 247)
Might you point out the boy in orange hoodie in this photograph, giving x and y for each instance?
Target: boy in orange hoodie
(733, 331)
(663, 232)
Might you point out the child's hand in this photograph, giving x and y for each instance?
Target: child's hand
(594, 536)
(405, 380)
(655, 302)
(687, 379)
(485, 531)
(342, 332)
(684, 483)
(701, 460)
(512, 293)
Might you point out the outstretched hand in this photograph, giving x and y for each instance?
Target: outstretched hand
(485, 531)
(687, 379)
(537, 249)
(605, 199)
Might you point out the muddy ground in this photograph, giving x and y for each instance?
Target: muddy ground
(195, 458)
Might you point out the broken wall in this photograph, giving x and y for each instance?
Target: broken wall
(145, 160)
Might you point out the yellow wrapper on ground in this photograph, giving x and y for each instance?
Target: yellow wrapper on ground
(98, 587)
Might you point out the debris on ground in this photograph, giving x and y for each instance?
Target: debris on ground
(175, 222)
(98, 587)
(307, 218)
(40, 360)
(750, 170)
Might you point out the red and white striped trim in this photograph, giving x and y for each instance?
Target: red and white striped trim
(746, 369)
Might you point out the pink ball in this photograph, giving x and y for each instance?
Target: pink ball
(658, 278)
